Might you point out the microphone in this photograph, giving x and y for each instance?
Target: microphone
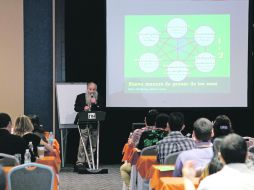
(94, 95)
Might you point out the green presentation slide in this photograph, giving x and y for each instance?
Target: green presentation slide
(177, 53)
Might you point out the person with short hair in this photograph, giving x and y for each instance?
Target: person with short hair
(235, 175)
(203, 153)
(9, 143)
(151, 137)
(222, 126)
(174, 141)
(24, 128)
(150, 119)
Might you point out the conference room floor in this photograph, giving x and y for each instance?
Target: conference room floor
(111, 181)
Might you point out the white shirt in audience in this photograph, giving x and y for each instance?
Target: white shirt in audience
(232, 177)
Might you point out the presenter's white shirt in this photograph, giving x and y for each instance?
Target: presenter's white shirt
(231, 177)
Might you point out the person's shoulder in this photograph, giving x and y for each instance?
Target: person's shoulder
(16, 138)
(209, 181)
(165, 140)
(82, 94)
(137, 130)
(186, 153)
(31, 136)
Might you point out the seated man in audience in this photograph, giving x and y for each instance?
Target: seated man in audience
(151, 137)
(10, 144)
(203, 153)
(222, 126)
(175, 141)
(149, 125)
(150, 118)
(235, 175)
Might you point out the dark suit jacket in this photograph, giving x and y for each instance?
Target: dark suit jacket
(11, 144)
(80, 103)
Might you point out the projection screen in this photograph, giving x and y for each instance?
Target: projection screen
(177, 53)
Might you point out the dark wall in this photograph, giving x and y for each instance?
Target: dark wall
(38, 66)
(85, 52)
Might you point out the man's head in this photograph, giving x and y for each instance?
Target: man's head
(162, 121)
(202, 129)
(176, 121)
(233, 149)
(5, 121)
(151, 117)
(222, 126)
(91, 88)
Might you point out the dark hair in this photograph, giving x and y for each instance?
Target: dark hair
(216, 145)
(36, 123)
(151, 117)
(203, 129)
(5, 119)
(222, 126)
(176, 121)
(233, 149)
(215, 165)
(161, 120)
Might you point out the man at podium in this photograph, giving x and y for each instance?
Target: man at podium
(88, 101)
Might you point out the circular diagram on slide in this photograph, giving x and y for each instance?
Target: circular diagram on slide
(149, 36)
(148, 62)
(177, 47)
(177, 71)
(177, 28)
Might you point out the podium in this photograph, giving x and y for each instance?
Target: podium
(91, 118)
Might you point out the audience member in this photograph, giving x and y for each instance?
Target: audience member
(38, 128)
(214, 166)
(151, 137)
(149, 125)
(203, 153)
(150, 119)
(222, 126)
(175, 141)
(24, 128)
(235, 175)
(10, 144)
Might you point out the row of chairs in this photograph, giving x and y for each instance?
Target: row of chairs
(32, 176)
(143, 183)
(8, 160)
(170, 159)
(151, 150)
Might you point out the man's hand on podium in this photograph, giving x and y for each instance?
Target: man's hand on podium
(86, 108)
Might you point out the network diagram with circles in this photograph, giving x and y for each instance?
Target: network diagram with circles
(177, 50)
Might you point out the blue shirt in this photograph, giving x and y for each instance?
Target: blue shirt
(201, 156)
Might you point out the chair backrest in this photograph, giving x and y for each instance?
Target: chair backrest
(32, 176)
(149, 151)
(171, 158)
(8, 160)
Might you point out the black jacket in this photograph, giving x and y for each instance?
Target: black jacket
(80, 103)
